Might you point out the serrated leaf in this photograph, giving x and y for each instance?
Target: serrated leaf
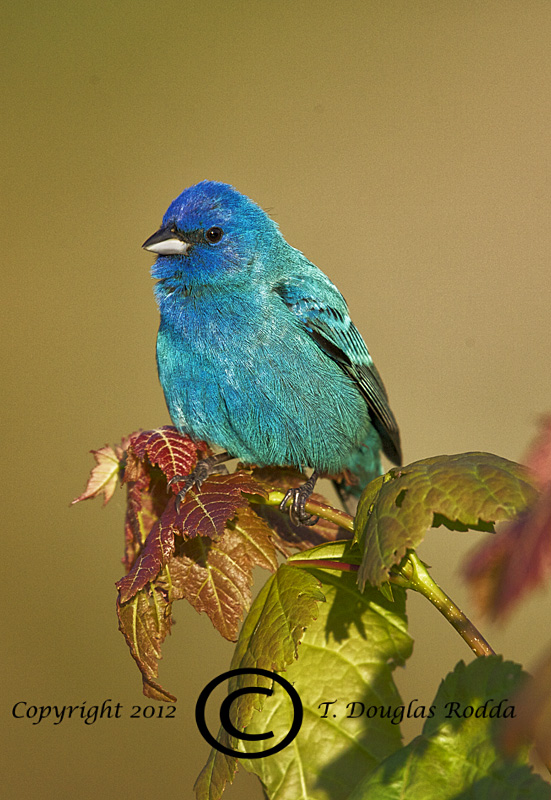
(285, 606)
(215, 579)
(344, 672)
(256, 536)
(269, 639)
(215, 576)
(145, 621)
(171, 451)
(158, 549)
(146, 503)
(104, 475)
(135, 470)
(456, 756)
(206, 512)
(366, 503)
(468, 490)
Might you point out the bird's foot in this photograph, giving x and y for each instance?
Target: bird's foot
(299, 497)
(203, 470)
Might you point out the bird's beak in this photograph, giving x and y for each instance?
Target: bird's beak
(165, 242)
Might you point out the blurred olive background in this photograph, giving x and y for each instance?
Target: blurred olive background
(404, 147)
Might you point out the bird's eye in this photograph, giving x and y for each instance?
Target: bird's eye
(213, 235)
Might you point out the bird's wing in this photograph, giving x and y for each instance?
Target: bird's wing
(323, 313)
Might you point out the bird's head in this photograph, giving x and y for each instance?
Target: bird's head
(210, 234)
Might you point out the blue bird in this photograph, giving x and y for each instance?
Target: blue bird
(256, 351)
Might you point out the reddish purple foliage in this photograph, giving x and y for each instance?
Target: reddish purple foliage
(518, 558)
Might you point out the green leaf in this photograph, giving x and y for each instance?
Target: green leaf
(456, 756)
(269, 639)
(469, 490)
(347, 656)
(341, 550)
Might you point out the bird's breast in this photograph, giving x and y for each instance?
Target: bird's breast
(245, 376)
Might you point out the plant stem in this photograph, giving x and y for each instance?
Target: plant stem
(413, 574)
(323, 563)
(340, 518)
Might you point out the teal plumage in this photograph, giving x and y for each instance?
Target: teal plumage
(256, 351)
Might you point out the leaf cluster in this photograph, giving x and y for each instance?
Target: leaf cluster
(204, 552)
(327, 618)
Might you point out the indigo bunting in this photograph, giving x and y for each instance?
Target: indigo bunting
(256, 351)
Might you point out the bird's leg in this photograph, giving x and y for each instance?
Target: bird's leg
(299, 498)
(204, 468)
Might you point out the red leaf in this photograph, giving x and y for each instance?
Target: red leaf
(538, 457)
(172, 452)
(216, 576)
(215, 579)
(104, 475)
(158, 549)
(135, 470)
(205, 513)
(514, 561)
(145, 621)
(147, 499)
(257, 538)
(518, 558)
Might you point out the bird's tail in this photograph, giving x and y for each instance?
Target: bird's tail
(361, 467)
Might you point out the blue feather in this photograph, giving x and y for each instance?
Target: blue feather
(256, 350)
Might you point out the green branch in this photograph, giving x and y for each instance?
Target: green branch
(340, 518)
(413, 574)
(410, 574)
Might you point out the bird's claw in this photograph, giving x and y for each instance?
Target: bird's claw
(204, 468)
(189, 480)
(299, 497)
